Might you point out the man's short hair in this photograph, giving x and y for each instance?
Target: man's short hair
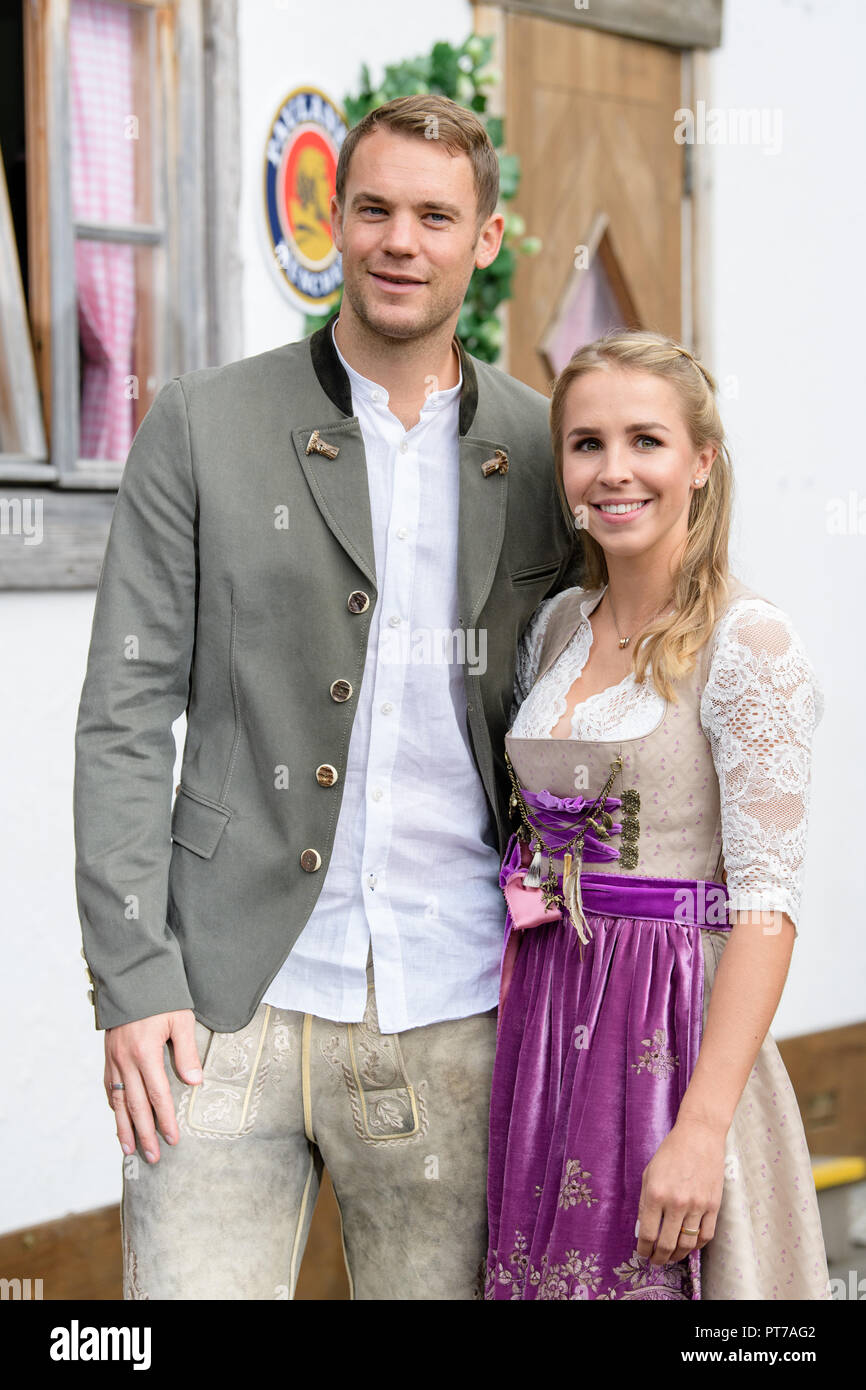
(432, 117)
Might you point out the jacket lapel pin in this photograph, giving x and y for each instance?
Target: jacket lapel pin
(315, 445)
(498, 464)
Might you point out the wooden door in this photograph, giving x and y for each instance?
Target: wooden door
(591, 115)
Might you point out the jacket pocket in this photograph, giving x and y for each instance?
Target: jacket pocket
(197, 825)
(536, 573)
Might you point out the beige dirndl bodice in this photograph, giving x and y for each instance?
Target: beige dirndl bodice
(768, 1242)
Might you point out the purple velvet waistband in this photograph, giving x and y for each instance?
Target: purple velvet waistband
(687, 901)
(691, 902)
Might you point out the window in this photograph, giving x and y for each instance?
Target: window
(595, 299)
(107, 257)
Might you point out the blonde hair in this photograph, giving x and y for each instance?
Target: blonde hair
(669, 643)
(457, 128)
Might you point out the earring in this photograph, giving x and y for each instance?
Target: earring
(699, 482)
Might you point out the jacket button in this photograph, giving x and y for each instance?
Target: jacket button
(310, 861)
(91, 996)
(326, 774)
(340, 691)
(359, 602)
(177, 789)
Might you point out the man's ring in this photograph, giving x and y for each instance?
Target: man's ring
(684, 1231)
(117, 1086)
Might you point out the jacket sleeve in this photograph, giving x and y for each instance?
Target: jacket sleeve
(136, 685)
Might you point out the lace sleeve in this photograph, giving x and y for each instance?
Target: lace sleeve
(529, 651)
(759, 709)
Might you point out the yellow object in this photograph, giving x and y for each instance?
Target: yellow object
(836, 1172)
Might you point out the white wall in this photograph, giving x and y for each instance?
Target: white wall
(55, 1126)
(788, 309)
(784, 326)
(277, 53)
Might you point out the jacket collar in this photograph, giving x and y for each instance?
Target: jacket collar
(334, 379)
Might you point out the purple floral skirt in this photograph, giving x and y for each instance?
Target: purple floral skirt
(593, 1057)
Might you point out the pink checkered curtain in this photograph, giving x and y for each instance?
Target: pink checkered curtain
(103, 190)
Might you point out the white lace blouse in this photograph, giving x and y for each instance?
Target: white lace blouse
(759, 710)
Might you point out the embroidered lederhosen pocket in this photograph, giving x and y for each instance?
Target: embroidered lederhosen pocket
(234, 1071)
(385, 1104)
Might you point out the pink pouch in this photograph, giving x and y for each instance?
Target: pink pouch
(526, 905)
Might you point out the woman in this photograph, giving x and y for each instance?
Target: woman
(660, 767)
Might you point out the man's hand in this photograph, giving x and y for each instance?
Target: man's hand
(134, 1055)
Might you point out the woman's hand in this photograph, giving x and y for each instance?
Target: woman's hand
(682, 1186)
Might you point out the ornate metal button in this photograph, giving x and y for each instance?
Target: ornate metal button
(311, 860)
(359, 602)
(341, 690)
(326, 774)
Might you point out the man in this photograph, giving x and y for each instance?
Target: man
(326, 554)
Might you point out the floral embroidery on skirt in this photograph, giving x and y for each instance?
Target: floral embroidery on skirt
(572, 1128)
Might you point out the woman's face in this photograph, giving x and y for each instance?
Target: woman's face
(626, 447)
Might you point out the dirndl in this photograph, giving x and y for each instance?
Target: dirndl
(597, 1043)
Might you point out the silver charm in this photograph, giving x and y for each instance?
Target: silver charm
(533, 873)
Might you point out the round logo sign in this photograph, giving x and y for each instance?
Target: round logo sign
(300, 177)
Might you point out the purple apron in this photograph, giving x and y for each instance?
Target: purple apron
(596, 1047)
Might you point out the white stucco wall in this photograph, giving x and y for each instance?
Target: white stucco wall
(788, 302)
(782, 327)
(277, 53)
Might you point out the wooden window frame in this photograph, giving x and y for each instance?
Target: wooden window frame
(197, 106)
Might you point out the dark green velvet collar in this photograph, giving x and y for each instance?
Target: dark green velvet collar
(335, 382)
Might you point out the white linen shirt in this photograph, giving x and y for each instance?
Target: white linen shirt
(415, 863)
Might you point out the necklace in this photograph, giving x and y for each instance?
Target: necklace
(624, 641)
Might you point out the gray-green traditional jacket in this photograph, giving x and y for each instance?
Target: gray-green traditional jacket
(224, 592)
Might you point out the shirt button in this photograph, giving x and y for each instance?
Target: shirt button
(404, 447)
(326, 774)
(372, 880)
(310, 861)
(378, 794)
(358, 601)
(387, 707)
(402, 533)
(394, 622)
(375, 395)
(340, 691)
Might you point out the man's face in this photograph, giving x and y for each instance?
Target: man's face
(409, 233)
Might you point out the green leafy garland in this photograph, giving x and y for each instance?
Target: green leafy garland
(462, 74)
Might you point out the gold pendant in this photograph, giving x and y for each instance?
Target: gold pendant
(497, 464)
(315, 445)
(552, 898)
